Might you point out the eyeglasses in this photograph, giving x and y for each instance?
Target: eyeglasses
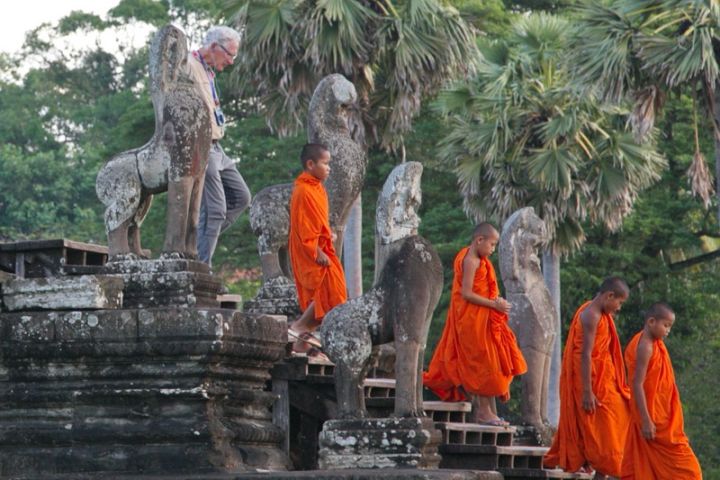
(232, 57)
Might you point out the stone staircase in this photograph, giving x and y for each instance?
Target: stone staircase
(465, 445)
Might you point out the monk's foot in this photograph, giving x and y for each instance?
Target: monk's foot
(492, 420)
(304, 336)
(301, 347)
(505, 397)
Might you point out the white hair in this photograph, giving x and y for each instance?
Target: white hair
(222, 35)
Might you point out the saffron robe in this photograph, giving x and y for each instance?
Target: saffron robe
(598, 438)
(310, 230)
(668, 455)
(477, 352)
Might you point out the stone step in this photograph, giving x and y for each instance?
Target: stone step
(455, 412)
(46, 258)
(531, 473)
(475, 434)
(230, 300)
(379, 388)
(489, 457)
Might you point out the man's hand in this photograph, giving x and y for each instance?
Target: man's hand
(322, 259)
(333, 236)
(501, 305)
(590, 401)
(648, 429)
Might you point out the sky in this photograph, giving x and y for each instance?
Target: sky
(28, 14)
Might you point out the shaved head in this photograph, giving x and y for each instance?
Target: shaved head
(615, 285)
(659, 310)
(484, 229)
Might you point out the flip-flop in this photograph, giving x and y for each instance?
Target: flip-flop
(306, 337)
(496, 423)
(316, 354)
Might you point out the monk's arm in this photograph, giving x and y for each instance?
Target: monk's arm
(309, 228)
(644, 352)
(470, 266)
(589, 321)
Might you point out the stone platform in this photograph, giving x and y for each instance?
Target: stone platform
(379, 443)
(312, 474)
(174, 391)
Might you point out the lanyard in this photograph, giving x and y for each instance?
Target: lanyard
(211, 78)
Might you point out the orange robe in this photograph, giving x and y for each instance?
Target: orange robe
(668, 455)
(598, 438)
(310, 229)
(477, 350)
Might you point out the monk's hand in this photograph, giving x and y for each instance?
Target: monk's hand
(322, 259)
(333, 236)
(501, 305)
(648, 429)
(590, 401)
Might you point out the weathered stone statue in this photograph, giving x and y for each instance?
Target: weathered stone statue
(398, 308)
(270, 209)
(533, 314)
(173, 160)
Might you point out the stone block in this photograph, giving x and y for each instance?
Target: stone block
(276, 296)
(92, 292)
(142, 391)
(379, 443)
(166, 282)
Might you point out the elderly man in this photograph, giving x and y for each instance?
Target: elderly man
(226, 194)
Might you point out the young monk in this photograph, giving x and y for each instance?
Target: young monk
(594, 396)
(477, 355)
(656, 446)
(319, 276)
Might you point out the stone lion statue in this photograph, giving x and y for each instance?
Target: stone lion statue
(174, 159)
(397, 309)
(533, 315)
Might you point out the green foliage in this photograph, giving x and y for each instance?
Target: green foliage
(150, 11)
(522, 134)
(405, 49)
(487, 16)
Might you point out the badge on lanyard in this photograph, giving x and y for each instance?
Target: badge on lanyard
(219, 117)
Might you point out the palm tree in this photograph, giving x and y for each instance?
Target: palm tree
(641, 50)
(523, 134)
(395, 52)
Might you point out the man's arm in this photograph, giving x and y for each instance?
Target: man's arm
(470, 266)
(642, 360)
(589, 320)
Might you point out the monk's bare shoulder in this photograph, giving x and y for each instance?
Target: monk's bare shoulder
(644, 347)
(590, 317)
(470, 261)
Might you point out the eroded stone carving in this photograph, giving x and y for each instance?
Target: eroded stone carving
(533, 314)
(398, 308)
(173, 160)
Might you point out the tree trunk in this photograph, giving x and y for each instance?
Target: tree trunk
(716, 127)
(551, 273)
(352, 249)
(717, 174)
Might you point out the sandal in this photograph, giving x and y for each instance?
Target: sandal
(306, 337)
(316, 354)
(496, 423)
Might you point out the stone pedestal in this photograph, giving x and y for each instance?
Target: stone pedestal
(137, 392)
(379, 443)
(91, 292)
(166, 282)
(277, 296)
